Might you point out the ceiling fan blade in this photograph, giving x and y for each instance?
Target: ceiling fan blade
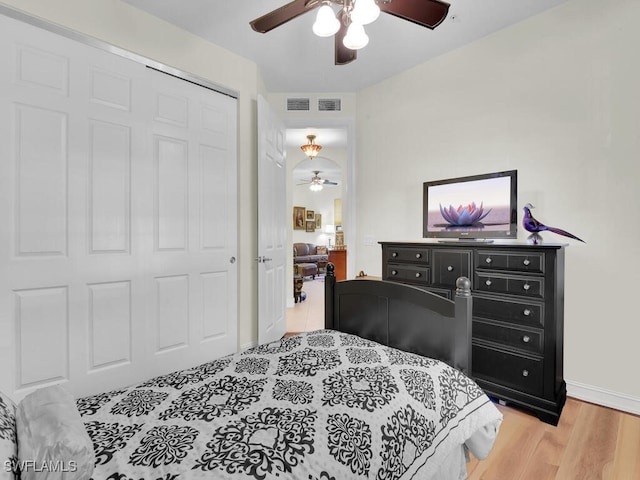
(282, 15)
(344, 55)
(329, 182)
(428, 13)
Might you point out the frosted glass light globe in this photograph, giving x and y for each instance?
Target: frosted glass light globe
(365, 11)
(326, 23)
(356, 38)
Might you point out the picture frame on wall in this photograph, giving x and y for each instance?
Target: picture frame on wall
(311, 215)
(299, 217)
(311, 225)
(318, 221)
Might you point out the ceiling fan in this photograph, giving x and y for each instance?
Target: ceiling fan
(316, 183)
(348, 33)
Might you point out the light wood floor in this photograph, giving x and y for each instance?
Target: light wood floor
(309, 314)
(590, 442)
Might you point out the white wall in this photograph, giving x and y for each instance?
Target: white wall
(556, 97)
(121, 25)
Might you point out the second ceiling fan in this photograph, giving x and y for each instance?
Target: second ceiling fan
(316, 183)
(347, 24)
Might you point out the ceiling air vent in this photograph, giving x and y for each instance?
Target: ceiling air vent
(298, 104)
(329, 105)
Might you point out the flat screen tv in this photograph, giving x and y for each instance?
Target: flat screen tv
(477, 207)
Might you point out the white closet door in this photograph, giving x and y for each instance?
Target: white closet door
(192, 258)
(117, 217)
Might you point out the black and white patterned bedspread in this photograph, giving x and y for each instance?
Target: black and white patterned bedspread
(317, 406)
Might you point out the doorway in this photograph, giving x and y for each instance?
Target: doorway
(331, 170)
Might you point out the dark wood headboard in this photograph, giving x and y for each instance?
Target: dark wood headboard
(403, 317)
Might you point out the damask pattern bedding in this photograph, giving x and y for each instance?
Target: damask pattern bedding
(317, 406)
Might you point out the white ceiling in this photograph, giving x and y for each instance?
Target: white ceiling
(292, 59)
(325, 137)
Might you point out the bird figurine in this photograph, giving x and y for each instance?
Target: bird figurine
(532, 225)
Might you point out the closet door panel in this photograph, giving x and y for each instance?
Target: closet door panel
(117, 217)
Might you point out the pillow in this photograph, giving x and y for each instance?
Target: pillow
(321, 250)
(8, 439)
(52, 440)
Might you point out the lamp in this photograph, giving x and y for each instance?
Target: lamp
(365, 11)
(316, 184)
(311, 149)
(326, 23)
(330, 230)
(356, 38)
(354, 13)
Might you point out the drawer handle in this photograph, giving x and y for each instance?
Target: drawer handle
(394, 272)
(394, 254)
(488, 260)
(526, 262)
(418, 274)
(526, 339)
(526, 312)
(526, 287)
(418, 255)
(450, 268)
(525, 373)
(488, 283)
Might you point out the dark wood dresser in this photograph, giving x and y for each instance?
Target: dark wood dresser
(518, 312)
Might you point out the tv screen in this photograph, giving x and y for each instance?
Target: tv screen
(475, 207)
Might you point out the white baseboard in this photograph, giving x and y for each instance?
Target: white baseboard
(248, 345)
(606, 398)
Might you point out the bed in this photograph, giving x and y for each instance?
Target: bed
(379, 393)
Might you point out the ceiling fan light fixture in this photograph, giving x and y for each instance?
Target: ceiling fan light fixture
(365, 11)
(315, 187)
(356, 38)
(311, 149)
(326, 23)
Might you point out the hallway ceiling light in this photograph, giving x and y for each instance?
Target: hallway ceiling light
(311, 149)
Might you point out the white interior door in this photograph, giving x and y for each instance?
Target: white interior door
(191, 262)
(272, 224)
(117, 217)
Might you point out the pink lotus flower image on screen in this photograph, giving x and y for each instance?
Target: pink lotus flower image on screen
(463, 216)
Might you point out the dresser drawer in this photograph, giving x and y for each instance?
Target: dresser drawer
(521, 313)
(514, 285)
(517, 262)
(416, 255)
(508, 369)
(449, 265)
(407, 273)
(526, 340)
